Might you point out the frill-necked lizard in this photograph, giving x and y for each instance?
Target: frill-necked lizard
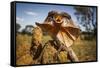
(62, 29)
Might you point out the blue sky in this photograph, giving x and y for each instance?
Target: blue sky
(28, 14)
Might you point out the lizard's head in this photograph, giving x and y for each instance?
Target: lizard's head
(57, 17)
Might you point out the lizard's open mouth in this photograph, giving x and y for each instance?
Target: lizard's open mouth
(58, 19)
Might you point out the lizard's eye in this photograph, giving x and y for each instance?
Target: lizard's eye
(52, 17)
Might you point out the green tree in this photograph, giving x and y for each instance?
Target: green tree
(18, 26)
(28, 29)
(86, 17)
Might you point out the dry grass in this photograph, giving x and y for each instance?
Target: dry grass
(84, 49)
(23, 44)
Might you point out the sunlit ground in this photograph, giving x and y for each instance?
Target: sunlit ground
(84, 49)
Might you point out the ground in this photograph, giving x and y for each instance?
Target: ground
(84, 49)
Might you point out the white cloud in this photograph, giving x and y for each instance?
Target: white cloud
(31, 13)
(18, 19)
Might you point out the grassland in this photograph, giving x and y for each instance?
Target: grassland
(84, 49)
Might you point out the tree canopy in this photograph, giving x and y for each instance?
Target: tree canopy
(18, 26)
(86, 17)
